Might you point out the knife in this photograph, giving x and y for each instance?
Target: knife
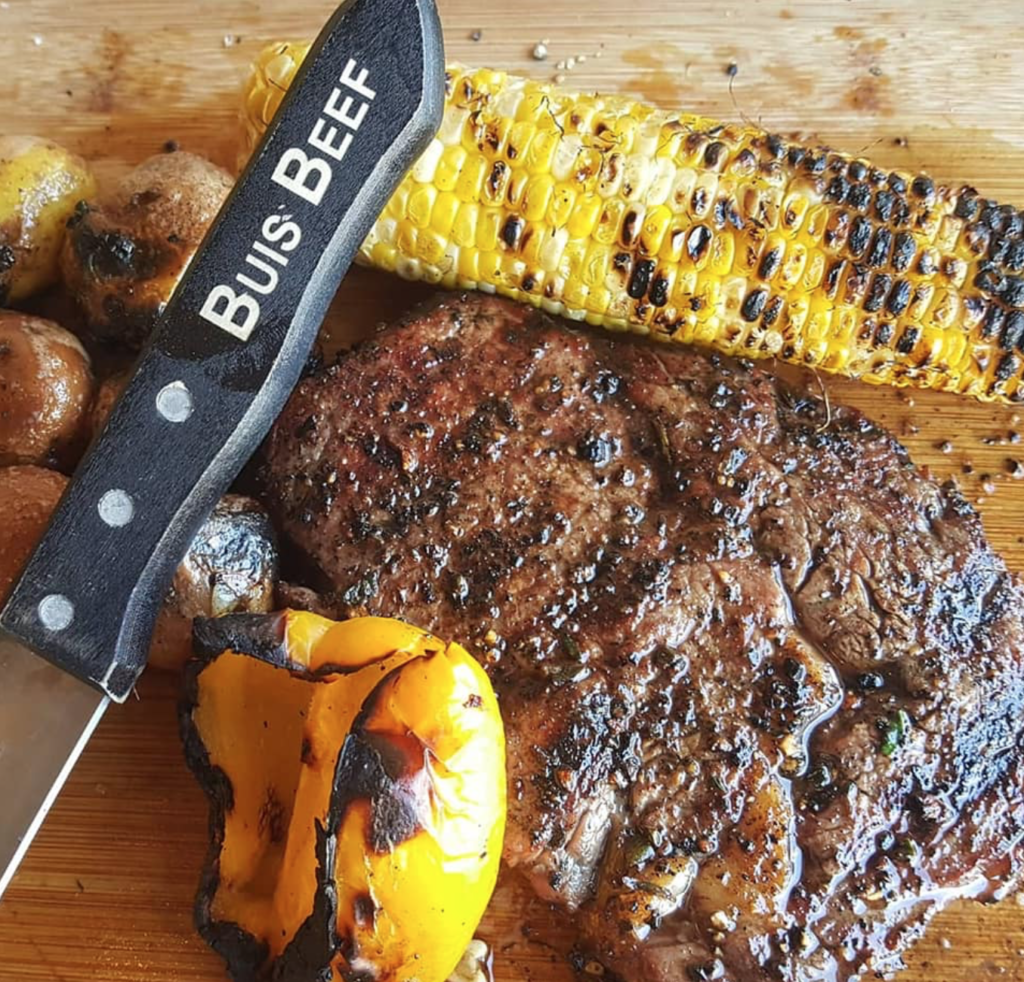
(75, 629)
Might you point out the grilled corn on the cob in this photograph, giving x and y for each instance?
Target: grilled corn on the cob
(675, 226)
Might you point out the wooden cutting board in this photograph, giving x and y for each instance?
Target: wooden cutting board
(105, 893)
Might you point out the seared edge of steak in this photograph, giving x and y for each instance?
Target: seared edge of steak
(761, 677)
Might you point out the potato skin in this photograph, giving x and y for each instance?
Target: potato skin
(125, 254)
(46, 386)
(28, 496)
(107, 393)
(230, 568)
(40, 185)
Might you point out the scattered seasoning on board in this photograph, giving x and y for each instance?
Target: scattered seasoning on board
(987, 484)
(732, 69)
(477, 35)
(540, 51)
(1015, 468)
(172, 146)
(945, 446)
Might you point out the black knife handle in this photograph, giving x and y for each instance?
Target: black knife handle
(233, 340)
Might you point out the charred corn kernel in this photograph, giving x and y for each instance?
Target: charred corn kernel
(671, 224)
(672, 246)
(794, 211)
(682, 190)
(515, 191)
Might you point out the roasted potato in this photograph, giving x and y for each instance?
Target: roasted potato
(40, 185)
(230, 568)
(107, 393)
(46, 388)
(28, 496)
(125, 253)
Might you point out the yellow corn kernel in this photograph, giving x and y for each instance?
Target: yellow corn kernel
(537, 197)
(470, 181)
(655, 227)
(467, 220)
(449, 168)
(446, 208)
(605, 182)
(560, 209)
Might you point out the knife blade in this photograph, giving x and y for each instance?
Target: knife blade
(221, 362)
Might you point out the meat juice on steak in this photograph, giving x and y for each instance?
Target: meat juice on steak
(761, 677)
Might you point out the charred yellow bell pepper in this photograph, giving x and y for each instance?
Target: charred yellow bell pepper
(356, 777)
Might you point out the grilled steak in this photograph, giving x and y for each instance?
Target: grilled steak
(761, 676)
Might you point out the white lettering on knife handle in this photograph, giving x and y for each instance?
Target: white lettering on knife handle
(231, 342)
(307, 177)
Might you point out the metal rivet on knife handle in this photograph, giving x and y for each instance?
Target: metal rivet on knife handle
(56, 612)
(116, 508)
(174, 402)
(232, 341)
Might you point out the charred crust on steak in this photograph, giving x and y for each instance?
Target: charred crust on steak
(761, 678)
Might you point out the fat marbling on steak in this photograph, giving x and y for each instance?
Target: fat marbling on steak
(761, 677)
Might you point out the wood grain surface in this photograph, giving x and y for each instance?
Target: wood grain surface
(106, 891)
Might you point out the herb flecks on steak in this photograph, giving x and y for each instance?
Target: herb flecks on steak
(761, 677)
